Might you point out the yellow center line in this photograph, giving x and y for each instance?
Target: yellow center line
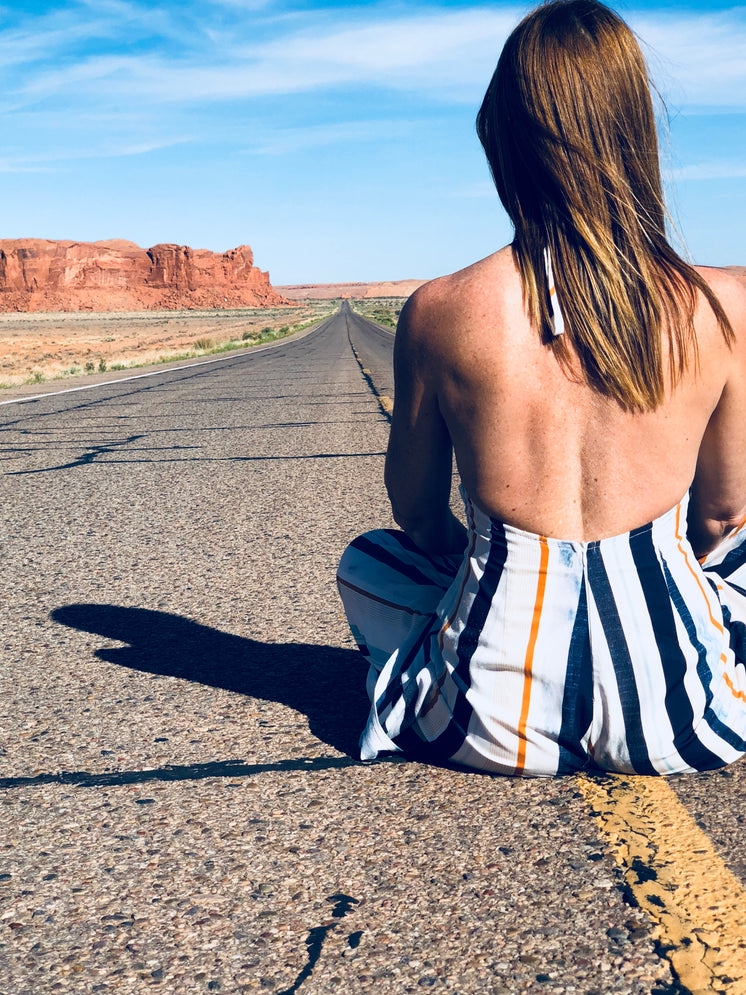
(697, 906)
(385, 402)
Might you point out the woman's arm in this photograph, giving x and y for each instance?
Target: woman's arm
(718, 502)
(419, 457)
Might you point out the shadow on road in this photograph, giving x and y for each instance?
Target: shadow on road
(325, 683)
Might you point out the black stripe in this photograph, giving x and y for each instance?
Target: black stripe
(382, 555)
(577, 699)
(452, 738)
(705, 675)
(737, 635)
(447, 564)
(410, 739)
(619, 652)
(660, 593)
(731, 586)
(731, 562)
(396, 687)
(480, 609)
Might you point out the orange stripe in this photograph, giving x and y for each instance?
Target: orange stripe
(718, 625)
(529, 664)
(728, 535)
(736, 694)
(723, 659)
(736, 531)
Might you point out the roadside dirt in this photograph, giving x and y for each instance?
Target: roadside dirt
(44, 346)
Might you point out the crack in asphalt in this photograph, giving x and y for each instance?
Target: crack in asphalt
(317, 937)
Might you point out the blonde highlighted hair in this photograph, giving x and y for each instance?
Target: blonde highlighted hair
(568, 128)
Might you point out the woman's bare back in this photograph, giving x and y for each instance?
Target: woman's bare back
(547, 453)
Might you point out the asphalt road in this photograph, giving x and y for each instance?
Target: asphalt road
(181, 804)
(373, 348)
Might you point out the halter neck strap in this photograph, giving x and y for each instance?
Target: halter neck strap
(558, 322)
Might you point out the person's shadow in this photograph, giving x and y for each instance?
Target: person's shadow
(325, 683)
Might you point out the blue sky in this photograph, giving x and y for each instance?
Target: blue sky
(336, 139)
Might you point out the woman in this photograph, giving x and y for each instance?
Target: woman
(593, 388)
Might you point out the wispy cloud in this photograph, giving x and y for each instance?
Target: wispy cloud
(282, 141)
(181, 65)
(55, 159)
(709, 171)
(444, 53)
(11, 165)
(696, 58)
(98, 91)
(231, 50)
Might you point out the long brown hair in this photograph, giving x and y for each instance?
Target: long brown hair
(568, 128)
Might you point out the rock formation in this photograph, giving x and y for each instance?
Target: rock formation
(329, 291)
(42, 275)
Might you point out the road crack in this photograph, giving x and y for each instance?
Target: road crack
(318, 935)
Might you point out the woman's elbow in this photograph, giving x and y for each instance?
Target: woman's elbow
(725, 517)
(707, 532)
(407, 519)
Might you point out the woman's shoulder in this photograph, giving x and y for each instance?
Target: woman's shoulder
(495, 270)
(729, 286)
(450, 303)
(723, 276)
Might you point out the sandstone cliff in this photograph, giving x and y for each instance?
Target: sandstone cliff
(116, 275)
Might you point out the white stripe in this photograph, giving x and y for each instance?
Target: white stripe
(108, 383)
(558, 322)
(252, 350)
(647, 666)
(551, 656)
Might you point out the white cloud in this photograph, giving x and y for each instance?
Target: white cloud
(11, 165)
(157, 64)
(696, 59)
(55, 159)
(282, 141)
(235, 49)
(228, 49)
(447, 53)
(709, 171)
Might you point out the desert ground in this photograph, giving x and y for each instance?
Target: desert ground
(44, 346)
(35, 347)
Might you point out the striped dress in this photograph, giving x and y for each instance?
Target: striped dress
(537, 656)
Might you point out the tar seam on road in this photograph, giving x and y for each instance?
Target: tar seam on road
(385, 402)
(677, 877)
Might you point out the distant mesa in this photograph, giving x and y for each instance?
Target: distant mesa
(329, 291)
(38, 274)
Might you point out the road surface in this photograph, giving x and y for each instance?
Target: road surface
(182, 805)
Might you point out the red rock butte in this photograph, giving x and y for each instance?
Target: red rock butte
(38, 274)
